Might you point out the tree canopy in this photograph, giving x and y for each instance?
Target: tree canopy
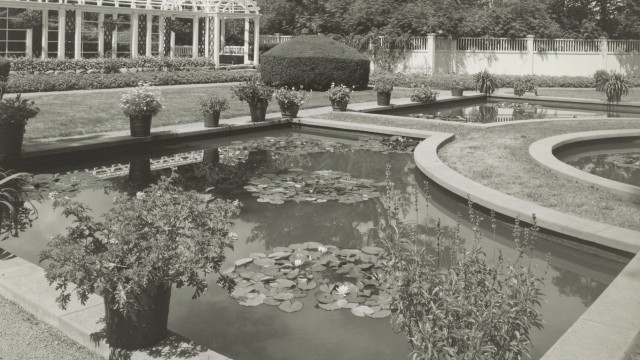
(456, 18)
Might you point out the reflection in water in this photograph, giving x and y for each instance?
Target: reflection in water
(622, 167)
(217, 321)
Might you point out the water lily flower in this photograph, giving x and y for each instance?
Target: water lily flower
(140, 195)
(52, 195)
(322, 249)
(342, 290)
(297, 262)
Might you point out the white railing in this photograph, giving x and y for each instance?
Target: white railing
(624, 46)
(444, 44)
(273, 39)
(208, 6)
(566, 45)
(492, 44)
(233, 50)
(418, 43)
(183, 51)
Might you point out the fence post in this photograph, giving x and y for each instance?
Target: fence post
(431, 53)
(604, 48)
(530, 39)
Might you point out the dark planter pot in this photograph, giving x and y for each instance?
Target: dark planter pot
(142, 327)
(384, 98)
(339, 105)
(457, 92)
(289, 111)
(140, 125)
(258, 111)
(11, 136)
(211, 156)
(140, 176)
(212, 119)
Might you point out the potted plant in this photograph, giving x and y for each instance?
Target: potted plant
(257, 95)
(290, 100)
(383, 88)
(601, 77)
(339, 96)
(485, 82)
(457, 87)
(14, 114)
(162, 236)
(615, 87)
(423, 94)
(14, 214)
(141, 104)
(211, 107)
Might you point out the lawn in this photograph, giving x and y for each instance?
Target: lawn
(91, 112)
(499, 158)
(634, 94)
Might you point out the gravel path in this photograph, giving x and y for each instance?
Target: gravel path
(23, 337)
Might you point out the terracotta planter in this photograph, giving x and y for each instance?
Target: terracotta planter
(258, 111)
(140, 125)
(289, 111)
(11, 136)
(384, 98)
(142, 327)
(338, 105)
(457, 92)
(212, 119)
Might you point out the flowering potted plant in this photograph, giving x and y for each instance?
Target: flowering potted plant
(423, 94)
(339, 96)
(14, 114)
(383, 87)
(141, 104)
(257, 95)
(161, 237)
(211, 107)
(290, 101)
(457, 87)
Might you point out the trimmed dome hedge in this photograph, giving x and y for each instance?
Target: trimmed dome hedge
(314, 61)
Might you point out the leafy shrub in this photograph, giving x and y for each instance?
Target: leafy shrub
(314, 62)
(28, 19)
(15, 215)
(384, 83)
(523, 85)
(423, 94)
(36, 65)
(17, 111)
(615, 87)
(213, 104)
(63, 82)
(485, 82)
(253, 92)
(601, 77)
(5, 68)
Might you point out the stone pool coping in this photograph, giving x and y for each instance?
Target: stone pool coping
(609, 328)
(542, 152)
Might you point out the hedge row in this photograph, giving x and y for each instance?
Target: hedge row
(445, 81)
(108, 65)
(63, 82)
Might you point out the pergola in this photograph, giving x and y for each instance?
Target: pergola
(75, 28)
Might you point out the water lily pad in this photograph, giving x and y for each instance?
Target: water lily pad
(264, 262)
(343, 303)
(362, 310)
(243, 262)
(329, 307)
(239, 292)
(307, 285)
(379, 314)
(269, 300)
(285, 283)
(288, 306)
(253, 299)
(256, 256)
(293, 274)
(283, 296)
(372, 250)
(324, 298)
(279, 255)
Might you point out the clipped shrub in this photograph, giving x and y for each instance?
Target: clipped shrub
(314, 62)
(601, 77)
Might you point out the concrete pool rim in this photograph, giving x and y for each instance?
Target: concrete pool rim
(542, 151)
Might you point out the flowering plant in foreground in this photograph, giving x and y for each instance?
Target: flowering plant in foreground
(162, 236)
(141, 101)
(339, 93)
(290, 96)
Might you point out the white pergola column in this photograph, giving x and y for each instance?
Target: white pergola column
(135, 25)
(62, 20)
(247, 28)
(256, 41)
(45, 34)
(77, 40)
(114, 39)
(195, 36)
(431, 51)
(100, 34)
(161, 36)
(216, 40)
(223, 32)
(206, 36)
(29, 45)
(148, 39)
(172, 42)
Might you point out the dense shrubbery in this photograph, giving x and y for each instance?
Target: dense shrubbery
(32, 65)
(63, 82)
(443, 81)
(314, 62)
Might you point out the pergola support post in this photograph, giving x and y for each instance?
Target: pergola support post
(194, 40)
(135, 27)
(216, 40)
(29, 43)
(77, 41)
(172, 42)
(256, 41)
(247, 27)
(45, 34)
(148, 39)
(101, 34)
(161, 36)
(62, 20)
(114, 40)
(206, 36)
(223, 33)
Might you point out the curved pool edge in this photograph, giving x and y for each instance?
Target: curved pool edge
(542, 152)
(609, 328)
